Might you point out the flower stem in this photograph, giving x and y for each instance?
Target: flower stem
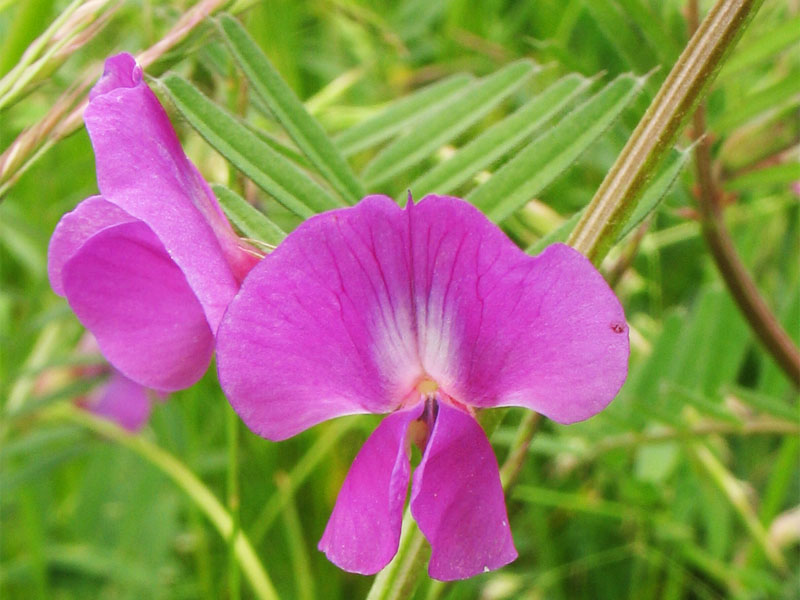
(183, 477)
(741, 286)
(232, 433)
(658, 129)
(400, 577)
(735, 493)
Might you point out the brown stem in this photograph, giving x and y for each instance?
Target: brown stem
(741, 286)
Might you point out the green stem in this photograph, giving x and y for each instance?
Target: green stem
(658, 129)
(734, 492)
(232, 427)
(183, 477)
(400, 577)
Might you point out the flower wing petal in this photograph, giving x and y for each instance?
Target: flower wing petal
(323, 326)
(363, 532)
(89, 217)
(457, 499)
(142, 168)
(126, 290)
(122, 401)
(498, 327)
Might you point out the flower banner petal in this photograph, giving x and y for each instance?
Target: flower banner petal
(498, 327)
(124, 288)
(324, 325)
(142, 168)
(457, 499)
(89, 217)
(363, 532)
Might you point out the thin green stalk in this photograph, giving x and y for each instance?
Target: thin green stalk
(734, 492)
(311, 459)
(654, 136)
(232, 433)
(298, 552)
(185, 479)
(400, 577)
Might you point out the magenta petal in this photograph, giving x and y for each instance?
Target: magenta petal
(323, 326)
(74, 228)
(123, 401)
(119, 71)
(124, 288)
(457, 500)
(500, 328)
(142, 169)
(364, 530)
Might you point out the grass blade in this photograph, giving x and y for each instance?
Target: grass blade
(547, 156)
(269, 170)
(290, 112)
(473, 103)
(501, 138)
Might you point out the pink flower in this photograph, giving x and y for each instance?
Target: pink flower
(120, 400)
(116, 398)
(427, 314)
(150, 264)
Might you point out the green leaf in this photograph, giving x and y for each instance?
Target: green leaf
(775, 99)
(547, 156)
(613, 23)
(650, 201)
(652, 28)
(250, 221)
(657, 189)
(269, 170)
(401, 114)
(290, 112)
(778, 175)
(500, 139)
(438, 128)
(753, 51)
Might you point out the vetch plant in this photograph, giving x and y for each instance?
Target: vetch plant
(427, 313)
(150, 264)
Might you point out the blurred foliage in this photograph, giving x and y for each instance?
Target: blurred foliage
(679, 490)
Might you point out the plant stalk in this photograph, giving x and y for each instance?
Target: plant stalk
(741, 286)
(695, 69)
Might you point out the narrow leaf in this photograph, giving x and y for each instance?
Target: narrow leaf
(547, 156)
(768, 177)
(269, 170)
(290, 112)
(473, 103)
(613, 23)
(401, 114)
(250, 221)
(650, 201)
(657, 189)
(501, 138)
(779, 97)
(763, 46)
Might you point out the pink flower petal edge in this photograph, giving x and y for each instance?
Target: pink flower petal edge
(152, 261)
